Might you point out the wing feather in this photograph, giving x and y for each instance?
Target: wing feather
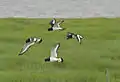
(54, 50)
(25, 48)
(78, 37)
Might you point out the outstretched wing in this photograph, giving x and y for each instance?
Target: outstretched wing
(54, 50)
(60, 22)
(57, 24)
(78, 37)
(52, 22)
(25, 48)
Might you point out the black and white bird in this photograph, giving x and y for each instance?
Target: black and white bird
(54, 55)
(55, 25)
(52, 22)
(28, 43)
(74, 36)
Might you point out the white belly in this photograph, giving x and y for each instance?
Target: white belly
(53, 59)
(57, 28)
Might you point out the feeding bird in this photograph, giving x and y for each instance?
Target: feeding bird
(74, 36)
(54, 55)
(28, 43)
(55, 25)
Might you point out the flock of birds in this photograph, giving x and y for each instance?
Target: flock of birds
(54, 55)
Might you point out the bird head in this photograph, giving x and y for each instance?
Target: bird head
(47, 59)
(60, 59)
(50, 29)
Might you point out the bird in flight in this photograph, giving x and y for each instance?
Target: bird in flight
(74, 36)
(54, 55)
(55, 25)
(28, 43)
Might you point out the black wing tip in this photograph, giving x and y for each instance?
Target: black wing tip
(20, 54)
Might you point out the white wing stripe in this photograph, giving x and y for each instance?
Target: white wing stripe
(54, 51)
(25, 48)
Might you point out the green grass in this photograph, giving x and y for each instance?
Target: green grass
(82, 63)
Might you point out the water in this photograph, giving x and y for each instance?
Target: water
(59, 8)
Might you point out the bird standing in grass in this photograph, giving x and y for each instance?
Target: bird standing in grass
(74, 36)
(55, 25)
(54, 55)
(28, 43)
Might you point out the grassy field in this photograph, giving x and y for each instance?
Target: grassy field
(82, 63)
